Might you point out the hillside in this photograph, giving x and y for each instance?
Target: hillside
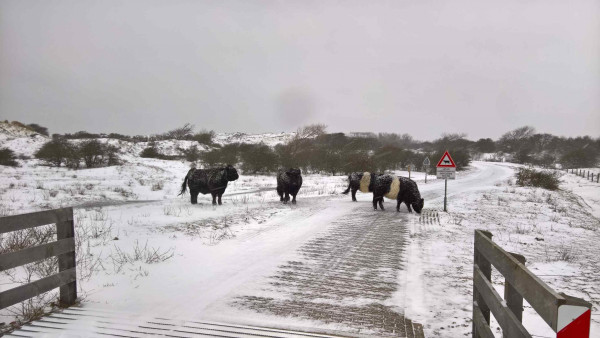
(25, 142)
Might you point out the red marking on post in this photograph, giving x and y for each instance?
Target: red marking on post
(579, 328)
(446, 161)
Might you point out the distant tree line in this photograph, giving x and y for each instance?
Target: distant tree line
(314, 150)
(182, 133)
(90, 153)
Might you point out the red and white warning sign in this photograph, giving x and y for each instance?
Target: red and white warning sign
(446, 161)
(573, 321)
(446, 169)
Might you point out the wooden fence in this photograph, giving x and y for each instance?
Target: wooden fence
(588, 174)
(63, 248)
(566, 315)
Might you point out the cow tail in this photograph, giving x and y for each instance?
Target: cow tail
(183, 185)
(349, 185)
(345, 192)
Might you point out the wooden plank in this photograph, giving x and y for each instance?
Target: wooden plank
(66, 261)
(418, 331)
(34, 219)
(483, 329)
(540, 296)
(507, 320)
(485, 266)
(24, 292)
(36, 253)
(513, 299)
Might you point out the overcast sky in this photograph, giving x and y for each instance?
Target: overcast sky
(406, 66)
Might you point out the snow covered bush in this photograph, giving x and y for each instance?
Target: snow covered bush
(529, 177)
(55, 152)
(151, 152)
(7, 157)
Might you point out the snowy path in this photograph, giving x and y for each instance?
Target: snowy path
(327, 264)
(314, 264)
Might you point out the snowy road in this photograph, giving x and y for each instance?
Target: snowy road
(328, 263)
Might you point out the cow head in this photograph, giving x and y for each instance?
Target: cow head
(418, 206)
(295, 175)
(230, 173)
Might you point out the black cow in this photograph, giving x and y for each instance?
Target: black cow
(360, 181)
(410, 195)
(288, 183)
(213, 181)
(401, 189)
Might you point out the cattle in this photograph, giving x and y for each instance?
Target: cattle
(360, 181)
(402, 189)
(288, 183)
(410, 195)
(385, 185)
(213, 181)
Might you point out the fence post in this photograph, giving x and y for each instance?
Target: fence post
(514, 301)
(598, 178)
(66, 229)
(486, 268)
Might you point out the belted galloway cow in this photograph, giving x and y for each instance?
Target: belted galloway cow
(213, 181)
(402, 189)
(360, 181)
(288, 183)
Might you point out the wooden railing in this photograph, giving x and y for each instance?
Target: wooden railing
(63, 248)
(563, 313)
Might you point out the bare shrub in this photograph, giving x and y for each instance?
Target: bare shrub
(565, 253)
(22, 239)
(123, 192)
(529, 177)
(169, 210)
(522, 229)
(157, 186)
(142, 254)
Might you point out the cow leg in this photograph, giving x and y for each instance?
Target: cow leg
(375, 202)
(354, 195)
(294, 199)
(286, 198)
(398, 205)
(408, 206)
(214, 196)
(194, 196)
(381, 203)
(220, 194)
(280, 193)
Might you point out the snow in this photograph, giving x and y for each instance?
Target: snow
(269, 139)
(206, 256)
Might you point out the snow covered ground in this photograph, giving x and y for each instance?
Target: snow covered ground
(145, 251)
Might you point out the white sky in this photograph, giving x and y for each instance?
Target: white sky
(420, 67)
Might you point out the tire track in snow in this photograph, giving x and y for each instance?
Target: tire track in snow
(343, 276)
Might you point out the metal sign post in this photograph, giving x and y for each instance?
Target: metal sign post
(446, 169)
(426, 164)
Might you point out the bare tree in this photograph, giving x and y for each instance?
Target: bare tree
(181, 133)
(310, 131)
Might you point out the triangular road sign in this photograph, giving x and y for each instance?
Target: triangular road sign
(446, 161)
